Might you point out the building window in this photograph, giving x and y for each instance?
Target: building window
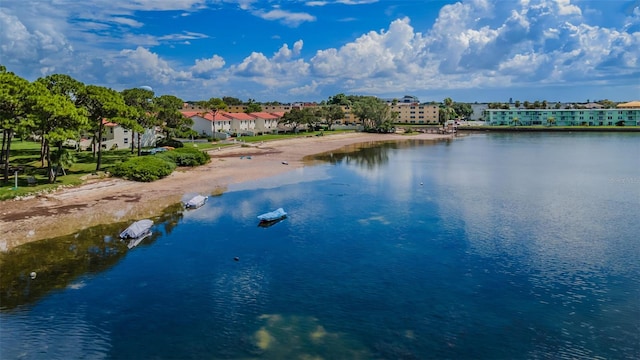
(126, 140)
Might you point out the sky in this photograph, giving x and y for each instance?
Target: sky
(291, 51)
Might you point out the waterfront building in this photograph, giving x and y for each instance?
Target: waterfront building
(563, 117)
(414, 113)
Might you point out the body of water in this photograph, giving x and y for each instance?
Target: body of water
(491, 246)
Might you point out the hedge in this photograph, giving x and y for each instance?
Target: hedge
(169, 142)
(185, 157)
(144, 168)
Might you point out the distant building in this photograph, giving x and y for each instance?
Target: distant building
(414, 113)
(563, 117)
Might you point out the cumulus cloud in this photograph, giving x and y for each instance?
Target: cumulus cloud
(205, 67)
(282, 69)
(142, 63)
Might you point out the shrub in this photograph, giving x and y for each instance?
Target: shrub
(186, 157)
(169, 142)
(147, 168)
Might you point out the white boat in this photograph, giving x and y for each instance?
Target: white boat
(277, 214)
(138, 229)
(196, 202)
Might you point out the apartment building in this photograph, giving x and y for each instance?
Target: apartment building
(415, 113)
(563, 117)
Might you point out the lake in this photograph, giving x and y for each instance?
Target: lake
(489, 246)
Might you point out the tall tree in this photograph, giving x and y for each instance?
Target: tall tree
(213, 106)
(103, 104)
(339, 99)
(373, 113)
(14, 92)
(333, 113)
(141, 100)
(57, 119)
(293, 119)
(447, 112)
(169, 115)
(231, 101)
(64, 85)
(253, 107)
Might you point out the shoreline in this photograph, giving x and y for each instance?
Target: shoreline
(112, 200)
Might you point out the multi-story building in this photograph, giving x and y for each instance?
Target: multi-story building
(563, 117)
(414, 113)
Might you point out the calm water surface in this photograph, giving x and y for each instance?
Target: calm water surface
(493, 246)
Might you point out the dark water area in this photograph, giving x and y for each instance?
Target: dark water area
(491, 246)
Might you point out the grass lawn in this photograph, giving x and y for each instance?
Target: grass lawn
(25, 159)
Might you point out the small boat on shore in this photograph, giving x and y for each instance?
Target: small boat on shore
(137, 229)
(272, 217)
(196, 202)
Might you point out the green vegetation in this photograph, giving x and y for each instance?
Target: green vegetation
(146, 168)
(185, 157)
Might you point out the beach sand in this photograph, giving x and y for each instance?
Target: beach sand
(114, 200)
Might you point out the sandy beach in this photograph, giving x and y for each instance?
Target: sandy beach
(113, 200)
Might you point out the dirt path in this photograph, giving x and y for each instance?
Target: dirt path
(112, 200)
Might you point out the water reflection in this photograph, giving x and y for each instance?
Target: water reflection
(58, 262)
(369, 155)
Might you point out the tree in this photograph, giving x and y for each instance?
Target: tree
(141, 100)
(57, 120)
(253, 107)
(447, 112)
(169, 115)
(517, 104)
(333, 113)
(339, 99)
(231, 101)
(14, 91)
(551, 120)
(213, 105)
(374, 113)
(103, 104)
(293, 119)
(462, 109)
(527, 104)
(311, 117)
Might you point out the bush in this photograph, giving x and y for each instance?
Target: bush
(147, 168)
(185, 157)
(170, 142)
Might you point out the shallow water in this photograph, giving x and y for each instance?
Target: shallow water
(489, 246)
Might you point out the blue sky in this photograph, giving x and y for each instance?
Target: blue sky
(469, 50)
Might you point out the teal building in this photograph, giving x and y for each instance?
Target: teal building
(563, 117)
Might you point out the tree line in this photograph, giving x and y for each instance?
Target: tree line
(57, 108)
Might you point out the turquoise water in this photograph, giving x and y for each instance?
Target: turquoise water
(492, 246)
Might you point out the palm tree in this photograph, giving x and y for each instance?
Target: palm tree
(551, 120)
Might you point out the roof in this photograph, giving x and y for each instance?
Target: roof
(631, 104)
(108, 123)
(264, 115)
(207, 115)
(238, 116)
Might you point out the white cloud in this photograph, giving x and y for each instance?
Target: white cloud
(144, 64)
(126, 21)
(288, 18)
(207, 66)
